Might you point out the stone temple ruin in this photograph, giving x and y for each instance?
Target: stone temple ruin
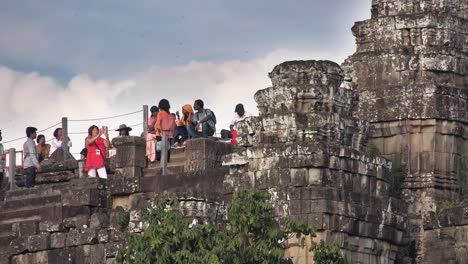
(372, 153)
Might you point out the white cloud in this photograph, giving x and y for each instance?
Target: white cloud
(32, 99)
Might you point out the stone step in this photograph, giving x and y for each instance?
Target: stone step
(177, 151)
(49, 212)
(88, 183)
(37, 191)
(12, 205)
(173, 169)
(174, 160)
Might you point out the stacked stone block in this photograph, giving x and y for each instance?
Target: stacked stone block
(410, 70)
(308, 151)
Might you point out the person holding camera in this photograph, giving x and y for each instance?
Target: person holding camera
(97, 152)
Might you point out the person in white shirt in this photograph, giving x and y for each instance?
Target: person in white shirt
(31, 164)
(57, 142)
(239, 116)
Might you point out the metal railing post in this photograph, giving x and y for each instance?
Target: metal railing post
(145, 119)
(12, 168)
(164, 153)
(65, 140)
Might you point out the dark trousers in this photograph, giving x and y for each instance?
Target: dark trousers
(30, 174)
(207, 131)
(180, 134)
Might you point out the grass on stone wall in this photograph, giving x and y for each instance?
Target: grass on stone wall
(399, 173)
(372, 150)
(446, 204)
(123, 220)
(449, 204)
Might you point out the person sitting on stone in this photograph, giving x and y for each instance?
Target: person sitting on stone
(240, 115)
(204, 122)
(124, 130)
(151, 135)
(56, 143)
(181, 133)
(42, 148)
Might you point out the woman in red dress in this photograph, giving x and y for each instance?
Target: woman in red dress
(96, 159)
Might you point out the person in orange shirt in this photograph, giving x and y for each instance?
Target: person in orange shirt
(165, 123)
(181, 132)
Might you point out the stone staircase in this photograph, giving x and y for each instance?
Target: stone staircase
(30, 219)
(176, 165)
(22, 210)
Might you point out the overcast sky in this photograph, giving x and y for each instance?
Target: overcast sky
(89, 59)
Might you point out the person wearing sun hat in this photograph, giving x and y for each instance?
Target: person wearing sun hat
(124, 130)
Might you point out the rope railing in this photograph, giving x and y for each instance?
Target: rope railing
(103, 118)
(22, 138)
(74, 120)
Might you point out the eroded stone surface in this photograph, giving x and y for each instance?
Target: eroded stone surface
(410, 72)
(308, 150)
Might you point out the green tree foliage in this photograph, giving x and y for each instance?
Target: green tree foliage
(325, 253)
(251, 236)
(123, 219)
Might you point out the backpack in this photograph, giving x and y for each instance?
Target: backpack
(212, 115)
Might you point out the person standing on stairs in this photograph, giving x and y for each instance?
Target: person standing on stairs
(151, 134)
(31, 163)
(165, 123)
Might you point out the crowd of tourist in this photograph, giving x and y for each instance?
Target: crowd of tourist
(192, 122)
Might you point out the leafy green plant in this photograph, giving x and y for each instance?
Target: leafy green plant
(399, 173)
(251, 236)
(123, 219)
(328, 253)
(372, 150)
(448, 204)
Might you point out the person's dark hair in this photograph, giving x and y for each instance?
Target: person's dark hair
(84, 152)
(56, 132)
(38, 140)
(154, 109)
(199, 103)
(164, 105)
(90, 129)
(239, 109)
(30, 131)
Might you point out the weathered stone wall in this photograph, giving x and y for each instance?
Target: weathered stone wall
(446, 236)
(308, 151)
(410, 71)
